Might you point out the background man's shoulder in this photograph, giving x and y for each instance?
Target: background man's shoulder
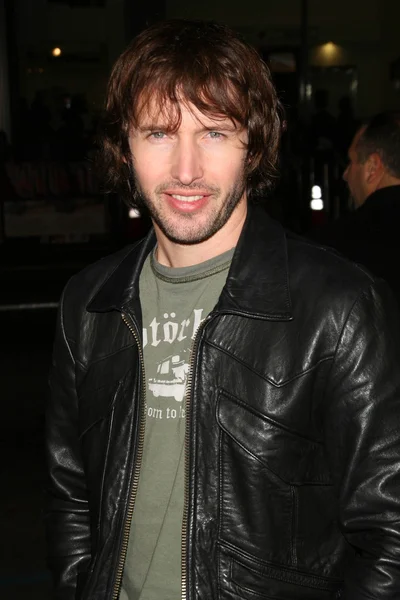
(320, 271)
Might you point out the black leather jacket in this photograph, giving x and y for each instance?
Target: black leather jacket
(293, 452)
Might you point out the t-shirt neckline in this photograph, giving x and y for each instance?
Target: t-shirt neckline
(201, 270)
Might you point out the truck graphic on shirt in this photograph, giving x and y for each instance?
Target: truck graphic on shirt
(171, 378)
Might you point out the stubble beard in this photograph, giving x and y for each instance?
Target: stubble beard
(184, 232)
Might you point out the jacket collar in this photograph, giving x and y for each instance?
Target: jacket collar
(122, 286)
(257, 282)
(383, 198)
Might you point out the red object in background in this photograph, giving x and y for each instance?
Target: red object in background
(136, 228)
(318, 218)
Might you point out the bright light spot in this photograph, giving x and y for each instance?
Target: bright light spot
(56, 52)
(329, 50)
(330, 54)
(308, 91)
(316, 192)
(134, 213)
(317, 204)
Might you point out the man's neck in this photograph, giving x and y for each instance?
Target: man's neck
(171, 254)
(387, 181)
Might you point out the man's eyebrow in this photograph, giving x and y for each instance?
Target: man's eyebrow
(223, 126)
(153, 127)
(217, 125)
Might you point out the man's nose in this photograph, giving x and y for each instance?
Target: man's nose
(187, 162)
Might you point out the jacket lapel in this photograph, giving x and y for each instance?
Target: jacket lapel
(121, 288)
(258, 280)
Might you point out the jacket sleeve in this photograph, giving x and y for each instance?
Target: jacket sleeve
(67, 511)
(362, 430)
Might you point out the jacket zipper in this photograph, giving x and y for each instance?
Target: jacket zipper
(187, 461)
(136, 471)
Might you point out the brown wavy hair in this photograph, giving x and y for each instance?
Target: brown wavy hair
(205, 64)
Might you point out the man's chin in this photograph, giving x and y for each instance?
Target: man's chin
(187, 239)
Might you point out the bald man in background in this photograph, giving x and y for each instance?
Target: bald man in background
(371, 234)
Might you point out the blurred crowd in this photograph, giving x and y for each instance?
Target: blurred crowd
(52, 151)
(65, 132)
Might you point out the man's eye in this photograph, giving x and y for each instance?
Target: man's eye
(157, 135)
(215, 134)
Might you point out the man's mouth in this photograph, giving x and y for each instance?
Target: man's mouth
(187, 198)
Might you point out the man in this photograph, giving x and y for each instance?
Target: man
(370, 234)
(224, 420)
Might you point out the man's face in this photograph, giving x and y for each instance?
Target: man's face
(356, 174)
(192, 180)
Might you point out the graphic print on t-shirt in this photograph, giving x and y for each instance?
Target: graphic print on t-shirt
(171, 378)
(169, 341)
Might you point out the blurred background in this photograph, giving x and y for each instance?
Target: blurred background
(334, 64)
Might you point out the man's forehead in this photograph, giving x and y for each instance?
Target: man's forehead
(157, 111)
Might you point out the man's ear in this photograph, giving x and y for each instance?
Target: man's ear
(374, 168)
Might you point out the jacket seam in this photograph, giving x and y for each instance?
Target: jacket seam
(340, 336)
(255, 594)
(350, 313)
(71, 342)
(219, 586)
(110, 408)
(107, 356)
(280, 573)
(241, 556)
(286, 482)
(106, 454)
(220, 509)
(264, 417)
(81, 364)
(262, 316)
(293, 493)
(254, 456)
(263, 376)
(63, 329)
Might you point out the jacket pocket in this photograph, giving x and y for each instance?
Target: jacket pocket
(292, 458)
(244, 577)
(278, 583)
(262, 466)
(96, 423)
(96, 405)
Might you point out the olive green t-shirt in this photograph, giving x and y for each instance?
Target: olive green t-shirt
(174, 303)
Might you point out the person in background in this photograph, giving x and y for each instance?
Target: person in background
(370, 234)
(224, 417)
